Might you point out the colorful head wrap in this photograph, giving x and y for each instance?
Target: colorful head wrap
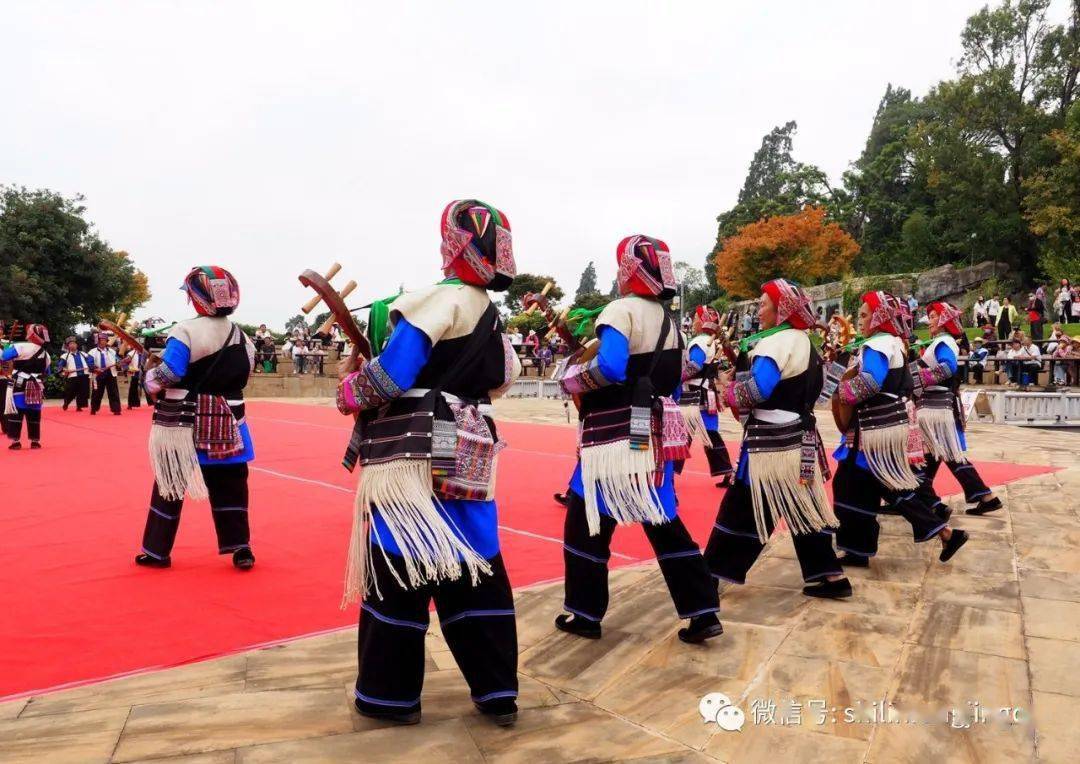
(37, 333)
(886, 313)
(793, 305)
(476, 244)
(645, 267)
(212, 290)
(709, 318)
(948, 317)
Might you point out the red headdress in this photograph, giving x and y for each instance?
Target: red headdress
(476, 244)
(886, 314)
(948, 317)
(212, 290)
(793, 305)
(645, 267)
(37, 333)
(709, 318)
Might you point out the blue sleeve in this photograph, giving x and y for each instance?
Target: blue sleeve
(766, 375)
(875, 364)
(405, 354)
(944, 354)
(176, 356)
(697, 355)
(614, 353)
(9, 354)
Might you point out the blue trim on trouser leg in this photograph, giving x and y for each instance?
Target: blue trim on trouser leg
(730, 532)
(586, 616)
(696, 613)
(159, 513)
(388, 703)
(585, 555)
(842, 505)
(155, 556)
(392, 621)
(473, 614)
(933, 533)
(816, 576)
(677, 555)
(495, 696)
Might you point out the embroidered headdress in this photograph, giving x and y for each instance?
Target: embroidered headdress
(793, 305)
(948, 317)
(645, 267)
(212, 290)
(476, 244)
(709, 318)
(886, 313)
(37, 333)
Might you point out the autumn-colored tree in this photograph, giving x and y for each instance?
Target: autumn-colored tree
(804, 247)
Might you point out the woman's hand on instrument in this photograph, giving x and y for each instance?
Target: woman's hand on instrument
(347, 366)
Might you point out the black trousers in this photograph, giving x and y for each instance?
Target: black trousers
(33, 424)
(135, 390)
(77, 388)
(228, 488)
(586, 560)
(717, 455)
(734, 545)
(857, 498)
(966, 475)
(477, 621)
(105, 383)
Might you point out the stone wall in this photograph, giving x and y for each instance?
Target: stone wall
(945, 283)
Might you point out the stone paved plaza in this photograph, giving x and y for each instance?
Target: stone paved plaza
(1000, 625)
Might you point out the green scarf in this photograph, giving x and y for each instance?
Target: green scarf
(582, 321)
(746, 342)
(379, 318)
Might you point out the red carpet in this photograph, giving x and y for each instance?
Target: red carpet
(76, 608)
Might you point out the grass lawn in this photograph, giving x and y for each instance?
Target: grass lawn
(1073, 330)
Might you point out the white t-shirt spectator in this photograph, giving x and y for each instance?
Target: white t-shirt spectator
(993, 308)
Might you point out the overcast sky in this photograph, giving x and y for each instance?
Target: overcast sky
(272, 137)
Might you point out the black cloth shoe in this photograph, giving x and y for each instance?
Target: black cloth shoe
(502, 711)
(702, 627)
(562, 498)
(34, 444)
(830, 590)
(152, 562)
(582, 627)
(243, 559)
(984, 506)
(394, 717)
(15, 446)
(849, 560)
(65, 406)
(952, 546)
(726, 482)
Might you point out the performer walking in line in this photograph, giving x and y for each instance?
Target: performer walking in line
(103, 360)
(30, 366)
(700, 395)
(782, 466)
(941, 417)
(200, 444)
(74, 366)
(631, 435)
(426, 524)
(135, 362)
(875, 454)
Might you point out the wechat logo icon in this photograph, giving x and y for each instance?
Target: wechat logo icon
(717, 707)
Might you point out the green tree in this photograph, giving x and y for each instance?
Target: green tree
(775, 184)
(54, 268)
(1053, 203)
(587, 284)
(527, 282)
